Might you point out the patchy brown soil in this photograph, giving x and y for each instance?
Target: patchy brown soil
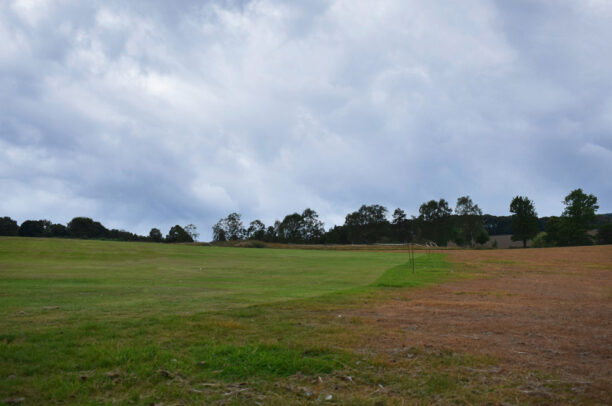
(537, 309)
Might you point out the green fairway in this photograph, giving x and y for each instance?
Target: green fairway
(97, 322)
(136, 278)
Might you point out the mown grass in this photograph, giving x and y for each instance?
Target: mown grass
(90, 322)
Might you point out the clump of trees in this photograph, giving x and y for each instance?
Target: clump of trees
(304, 228)
(87, 228)
(180, 234)
(578, 217)
(437, 222)
(369, 224)
(571, 228)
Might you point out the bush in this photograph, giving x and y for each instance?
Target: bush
(494, 244)
(482, 237)
(541, 240)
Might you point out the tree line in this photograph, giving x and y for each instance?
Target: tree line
(86, 228)
(437, 222)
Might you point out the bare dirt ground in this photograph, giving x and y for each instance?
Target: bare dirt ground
(537, 309)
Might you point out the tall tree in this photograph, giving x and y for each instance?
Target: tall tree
(469, 218)
(435, 221)
(192, 230)
(524, 219)
(178, 234)
(369, 224)
(219, 233)
(289, 230)
(312, 229)
(256, 230)
(400, 225)
(577, 218)
(229, 228)
(155, 235)
(399, 216)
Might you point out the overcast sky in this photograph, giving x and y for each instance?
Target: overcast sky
(147, 113)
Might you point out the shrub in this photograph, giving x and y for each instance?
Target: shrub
(482, 237)
(251, 244)
(540, 240)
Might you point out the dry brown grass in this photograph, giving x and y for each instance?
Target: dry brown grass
(538, 309)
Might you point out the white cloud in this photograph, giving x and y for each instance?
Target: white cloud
(147, 115)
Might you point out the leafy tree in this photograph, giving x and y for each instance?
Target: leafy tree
(235, 229)
(84, 227)
(469, 218)
(256, 230)
(312, 229)
(401, 226)
(524, 219)
(156, 235)
(178, 234)
(604, 234)
(272, 232)
(289, 229)
(577, 218)
(369, 224)
(301, 228)
(399, 216)
(34, 228)
(192, 230)
(435, 221)
(433, 210)
(219, 233)
(229, 228)
(8, 226)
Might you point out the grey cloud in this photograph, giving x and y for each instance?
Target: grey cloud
(152, 113)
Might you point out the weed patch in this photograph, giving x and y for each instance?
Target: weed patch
(248, 361)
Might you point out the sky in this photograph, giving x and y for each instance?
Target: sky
(146, 113)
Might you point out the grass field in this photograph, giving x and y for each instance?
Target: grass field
(95, 322)
(141, 278)
(76, 313)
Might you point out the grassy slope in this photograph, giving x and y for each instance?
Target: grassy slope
(143, 324)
